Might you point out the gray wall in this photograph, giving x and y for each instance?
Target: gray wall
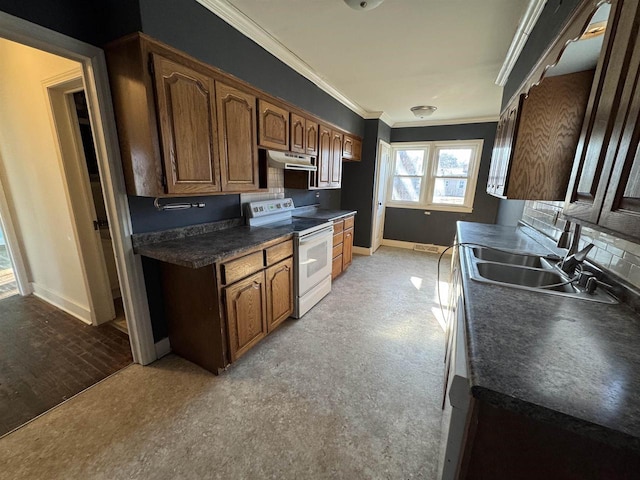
(358, 181)
(412, 225)
(552, 18)
(94, 22)
(510, 212)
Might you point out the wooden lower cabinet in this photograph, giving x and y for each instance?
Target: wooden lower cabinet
(342, 245)
(219, 312)
(279, 281)
(246, 303)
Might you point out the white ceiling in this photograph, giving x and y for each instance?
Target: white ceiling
(445, 53)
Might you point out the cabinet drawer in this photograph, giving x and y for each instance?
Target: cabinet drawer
(279, 252)
(337, 239)
(241, 267)
(337, 250)
(348, 222)
(338, 226)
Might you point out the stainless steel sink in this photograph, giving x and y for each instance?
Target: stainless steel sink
(491, 255)
(524, 277)
(527, 272)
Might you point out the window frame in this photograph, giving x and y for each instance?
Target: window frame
(429, 176)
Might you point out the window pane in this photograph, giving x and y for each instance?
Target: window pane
(406, 189)
(449, 190)
(454, 161)
(409, 162)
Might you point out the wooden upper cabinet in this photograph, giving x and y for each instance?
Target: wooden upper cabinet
(325, 157)
(238, 146)
(311, 137)
(351, 148)
(336, 160)
(605, 118)
(187, 120)
(537, 139)
(273, 127)
(298, 134)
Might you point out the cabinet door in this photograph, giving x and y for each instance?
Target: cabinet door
(298, 134)
(187, 119)
(238, 150)
(324, 158)
(246, 303)
(621, 206)
(347, 248)
(311, 138)
(279, 293)
(274, 126)
(357, 150)
(592, 165)
(347, 147)
(508, 147)
(336, 162)
(336, 267)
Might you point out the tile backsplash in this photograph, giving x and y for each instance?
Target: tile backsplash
(276, 188)
(611, 253)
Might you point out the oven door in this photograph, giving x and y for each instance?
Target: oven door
(313, 259)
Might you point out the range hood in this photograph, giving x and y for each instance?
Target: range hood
(290, 161)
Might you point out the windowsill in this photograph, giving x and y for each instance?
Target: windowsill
(433, 208)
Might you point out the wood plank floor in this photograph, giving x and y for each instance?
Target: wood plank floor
(47, 356)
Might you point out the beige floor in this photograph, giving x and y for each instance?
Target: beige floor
(350, 391)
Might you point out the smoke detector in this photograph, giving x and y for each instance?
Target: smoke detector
(362, 4)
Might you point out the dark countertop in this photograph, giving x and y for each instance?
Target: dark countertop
(565, 361)
(322, 213)
(205, 249)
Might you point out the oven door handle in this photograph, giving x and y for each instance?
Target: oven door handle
(313, 237)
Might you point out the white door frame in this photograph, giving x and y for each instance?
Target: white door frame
(73, 166)
(94, 69)
(13, 245)
(376, 226)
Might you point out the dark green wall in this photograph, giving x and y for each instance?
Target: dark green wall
(358, 181)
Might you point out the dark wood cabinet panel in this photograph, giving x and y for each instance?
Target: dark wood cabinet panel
(324, 157)
(238, 149)
(605, 183)
(311, 147)
(335, 168)
(336, 267)
(273, 129)
(503, 150)
(187, 118)
(621, 205)
(298, 134)
(246, 304)
(279, 280)
(342, 245)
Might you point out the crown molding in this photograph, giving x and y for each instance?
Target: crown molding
(457, 121)
(379, 116)
(527, 22)
(253, 31)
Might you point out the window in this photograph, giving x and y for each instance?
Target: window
(435, 175)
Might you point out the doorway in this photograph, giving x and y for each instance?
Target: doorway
(383, 161)
(129, 267)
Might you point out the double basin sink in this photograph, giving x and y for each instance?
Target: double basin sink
(528, 272)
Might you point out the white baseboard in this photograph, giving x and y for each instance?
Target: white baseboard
(163, 347)
(58, 300)
(419, 247)
(362, 251)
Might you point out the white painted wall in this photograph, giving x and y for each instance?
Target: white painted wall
(32, 176)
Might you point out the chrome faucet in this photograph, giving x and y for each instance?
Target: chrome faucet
(573, 258)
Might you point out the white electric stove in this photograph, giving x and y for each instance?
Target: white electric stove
(313, 245)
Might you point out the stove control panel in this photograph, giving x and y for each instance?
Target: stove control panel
(269, 207)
